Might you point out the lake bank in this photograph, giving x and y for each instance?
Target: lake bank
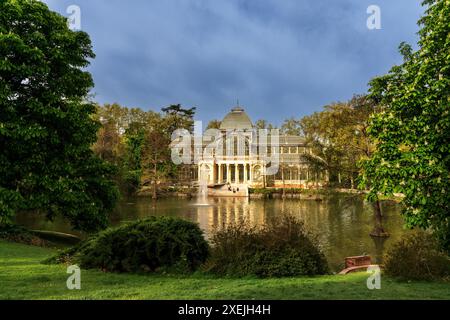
(258, 193)
(342, 223)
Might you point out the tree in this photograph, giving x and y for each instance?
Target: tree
(291, 127)
(263, 124)
(131, 172)
(156, 154)
(108, 142)
(338, 136)
(214, 124)
(46, 123)
(173, 117)
(179, 117)
(411, 132)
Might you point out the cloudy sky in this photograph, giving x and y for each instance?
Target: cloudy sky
(280, 58)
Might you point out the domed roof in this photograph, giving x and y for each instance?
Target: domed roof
(236, 119)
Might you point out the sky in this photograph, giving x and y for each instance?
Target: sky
(279, 58)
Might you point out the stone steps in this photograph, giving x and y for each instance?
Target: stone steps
(237, 190)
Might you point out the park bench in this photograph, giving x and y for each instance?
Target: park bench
(356, 263)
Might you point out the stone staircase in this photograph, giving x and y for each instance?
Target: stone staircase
(232, 190)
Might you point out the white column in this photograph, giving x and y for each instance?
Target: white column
(228, 173)
(236, 173)
(219, 179)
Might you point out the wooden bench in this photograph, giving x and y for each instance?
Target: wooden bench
(356, 263)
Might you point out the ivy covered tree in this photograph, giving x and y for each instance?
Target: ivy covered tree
(46, 121)
(412, 132)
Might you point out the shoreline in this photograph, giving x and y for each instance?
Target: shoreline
(268, 193)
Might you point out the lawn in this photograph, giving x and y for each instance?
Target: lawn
(24, 277)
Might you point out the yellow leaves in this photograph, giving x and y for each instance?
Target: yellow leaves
(404, 148)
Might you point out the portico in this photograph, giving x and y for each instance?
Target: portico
(228, 172)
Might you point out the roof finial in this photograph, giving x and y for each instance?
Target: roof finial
(237, 108)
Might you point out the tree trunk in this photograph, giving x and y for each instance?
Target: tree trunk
(154, 196)
(378, 230)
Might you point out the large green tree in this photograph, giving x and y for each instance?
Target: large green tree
(412, 133)
(46, 122)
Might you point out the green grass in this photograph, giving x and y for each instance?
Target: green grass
(22, 276)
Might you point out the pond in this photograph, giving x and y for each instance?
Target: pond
(342, 223)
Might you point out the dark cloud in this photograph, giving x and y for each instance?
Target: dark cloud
(280, 58)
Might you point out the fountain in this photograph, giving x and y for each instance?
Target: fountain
(202, 194)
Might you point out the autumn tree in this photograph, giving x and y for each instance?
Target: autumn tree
(213, 124)
(339, 139)
(156, 154)
(291, 127)
(263, 124)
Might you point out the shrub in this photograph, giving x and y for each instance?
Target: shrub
(417, 257)
(280, 248)
(153, 244)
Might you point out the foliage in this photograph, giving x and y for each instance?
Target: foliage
(46, 125)
(214, 124)
(412, 131)
(142, 149)
(271, 191)
(417, 256)
(338, 136)
(132, 164)
(157, 156)
(291, 127)
(178, 117)
(153, 244)
(263, 191)
(281, 248)
(263, 124)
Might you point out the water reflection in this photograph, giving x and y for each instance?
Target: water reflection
(342, 223)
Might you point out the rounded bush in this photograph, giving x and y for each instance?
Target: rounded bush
(153, 244)
(280, 248)
(417, 256)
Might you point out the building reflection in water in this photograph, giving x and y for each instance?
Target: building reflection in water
(342, 224)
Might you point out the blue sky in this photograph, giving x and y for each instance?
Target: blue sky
(280, 58)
